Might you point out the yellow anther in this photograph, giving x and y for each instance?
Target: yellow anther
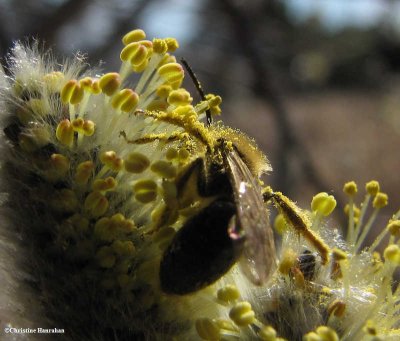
(105, 230)
(171, 154)
(337, 308)
(140, 67)
(167, 58)
(164, 90)
(214, 103)
(58, 167)
(350, 188)
(136, 163)
(112, 161)
(267, 333)
(135, 53)
(80, 223)
(160, 46)
(164, 169)
(207, 329)
(312, 336)
(242, 314)
(392, 254)
(34, 138)
(64, 201)
(96, 204)
(288, 261)
(88, 128)
(106, 257)
(110, 83)
(280, 224)
(394, 227)
(123, 248)
(185, 110)
(95, 88)
(183, 154)
(83, 127)
(104, 185)
(53, 81)
(227, 325)
(323, 204)
(77, 124)
(372, 187)
(145, 191)
(83, 172)
(327, 334)
(171, 72)
(172, 44)
(65, 133)
(228, 293)
(72, 92)
(213, 100)
(133, 36)
(125, 100)
(380, 200)
(86, 83)
(356, 210)
(179, 97)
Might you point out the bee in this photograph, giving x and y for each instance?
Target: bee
(234, 226)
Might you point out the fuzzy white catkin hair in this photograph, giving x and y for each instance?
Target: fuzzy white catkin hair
(99, 174)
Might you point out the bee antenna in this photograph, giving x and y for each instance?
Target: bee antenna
(198, 87)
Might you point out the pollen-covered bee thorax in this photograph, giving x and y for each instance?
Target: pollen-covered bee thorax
(247, 148)
(130, 215)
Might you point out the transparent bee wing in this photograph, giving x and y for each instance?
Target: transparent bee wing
(252, 222)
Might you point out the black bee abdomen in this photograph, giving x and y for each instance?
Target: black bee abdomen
(201, 251)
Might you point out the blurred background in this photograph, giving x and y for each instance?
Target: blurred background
(316, 83)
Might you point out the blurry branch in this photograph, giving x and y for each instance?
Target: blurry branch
(264, 88)
(122, 27)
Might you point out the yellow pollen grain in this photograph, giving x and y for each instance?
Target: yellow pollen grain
(207, 329)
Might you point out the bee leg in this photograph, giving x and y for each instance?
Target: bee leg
(297, 220)
(192, 127)
(167, 138)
